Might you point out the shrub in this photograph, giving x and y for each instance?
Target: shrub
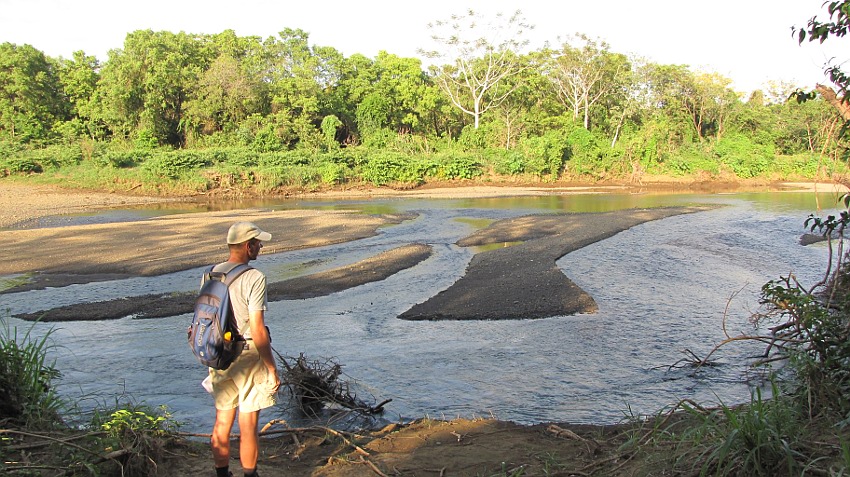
(174, 164)
(472, 138)
(508, 163)
(546, 154)
(388, 167)
(20, 165)
(121, 159)
(458, 166)
(285, 158)
(743, 156)
(688, 160)
(332, 173)
(145, 139)
(136, 435)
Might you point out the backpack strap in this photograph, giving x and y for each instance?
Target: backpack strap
(227, 278)
(234, 272)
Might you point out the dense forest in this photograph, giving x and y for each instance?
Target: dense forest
(180, 112)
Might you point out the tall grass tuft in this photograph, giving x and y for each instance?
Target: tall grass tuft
(27, 395)
(759, 438)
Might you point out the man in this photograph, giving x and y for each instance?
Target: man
(251, 381)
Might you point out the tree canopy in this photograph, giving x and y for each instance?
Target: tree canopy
(578, 109)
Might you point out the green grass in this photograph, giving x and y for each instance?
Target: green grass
(27, 394)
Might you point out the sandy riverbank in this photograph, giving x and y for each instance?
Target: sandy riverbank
(522, 281)
(497, 284)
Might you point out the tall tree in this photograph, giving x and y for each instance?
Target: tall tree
(79, 78)
(386, 92)
(300, 78)
(586, 75)
(225, 96)
(523, 112)
(477, 54)
(701, 100)
(145, 86)
(31, 99)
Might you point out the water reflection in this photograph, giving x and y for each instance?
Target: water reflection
(662, 287)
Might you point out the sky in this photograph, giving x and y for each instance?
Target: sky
(747, 41)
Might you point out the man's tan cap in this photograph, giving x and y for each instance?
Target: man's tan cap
(241, 232)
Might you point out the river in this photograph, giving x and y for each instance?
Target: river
(662, 287)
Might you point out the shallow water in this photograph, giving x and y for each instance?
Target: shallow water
(662, 287)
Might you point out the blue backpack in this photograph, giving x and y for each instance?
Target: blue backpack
(213, 318)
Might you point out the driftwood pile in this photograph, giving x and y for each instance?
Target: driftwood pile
(315, 384)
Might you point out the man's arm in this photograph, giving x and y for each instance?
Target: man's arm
(260, 336)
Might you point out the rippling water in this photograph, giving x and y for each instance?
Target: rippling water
(662, 287)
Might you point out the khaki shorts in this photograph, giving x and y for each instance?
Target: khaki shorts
(246, 384)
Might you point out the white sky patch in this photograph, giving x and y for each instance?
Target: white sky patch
(748, 41)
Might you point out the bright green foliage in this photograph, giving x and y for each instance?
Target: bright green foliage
(79, 80)
(330, 125)
(146, 85)
(546, 155)
(40, 160)
(587, 76)
(744, 157)
(157, 423)
(388, 168)
(508, 163)
(122, 159)
(227, 94)
(267, 139)
(472, 138)
(175, 164)
(30, 94)
(611, 117)
(373, 114)
(332, 174)
(389, 92)
(693, 159)
(139, 432)
(457, 166)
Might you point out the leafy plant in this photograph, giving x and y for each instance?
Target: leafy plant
(135, 435)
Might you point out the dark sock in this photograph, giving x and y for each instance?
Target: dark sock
(251, 473)
(222, 472)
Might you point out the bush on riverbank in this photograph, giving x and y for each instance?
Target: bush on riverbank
(241, 169)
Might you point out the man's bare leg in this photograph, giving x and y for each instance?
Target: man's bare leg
(249, 439)
(220, 439)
